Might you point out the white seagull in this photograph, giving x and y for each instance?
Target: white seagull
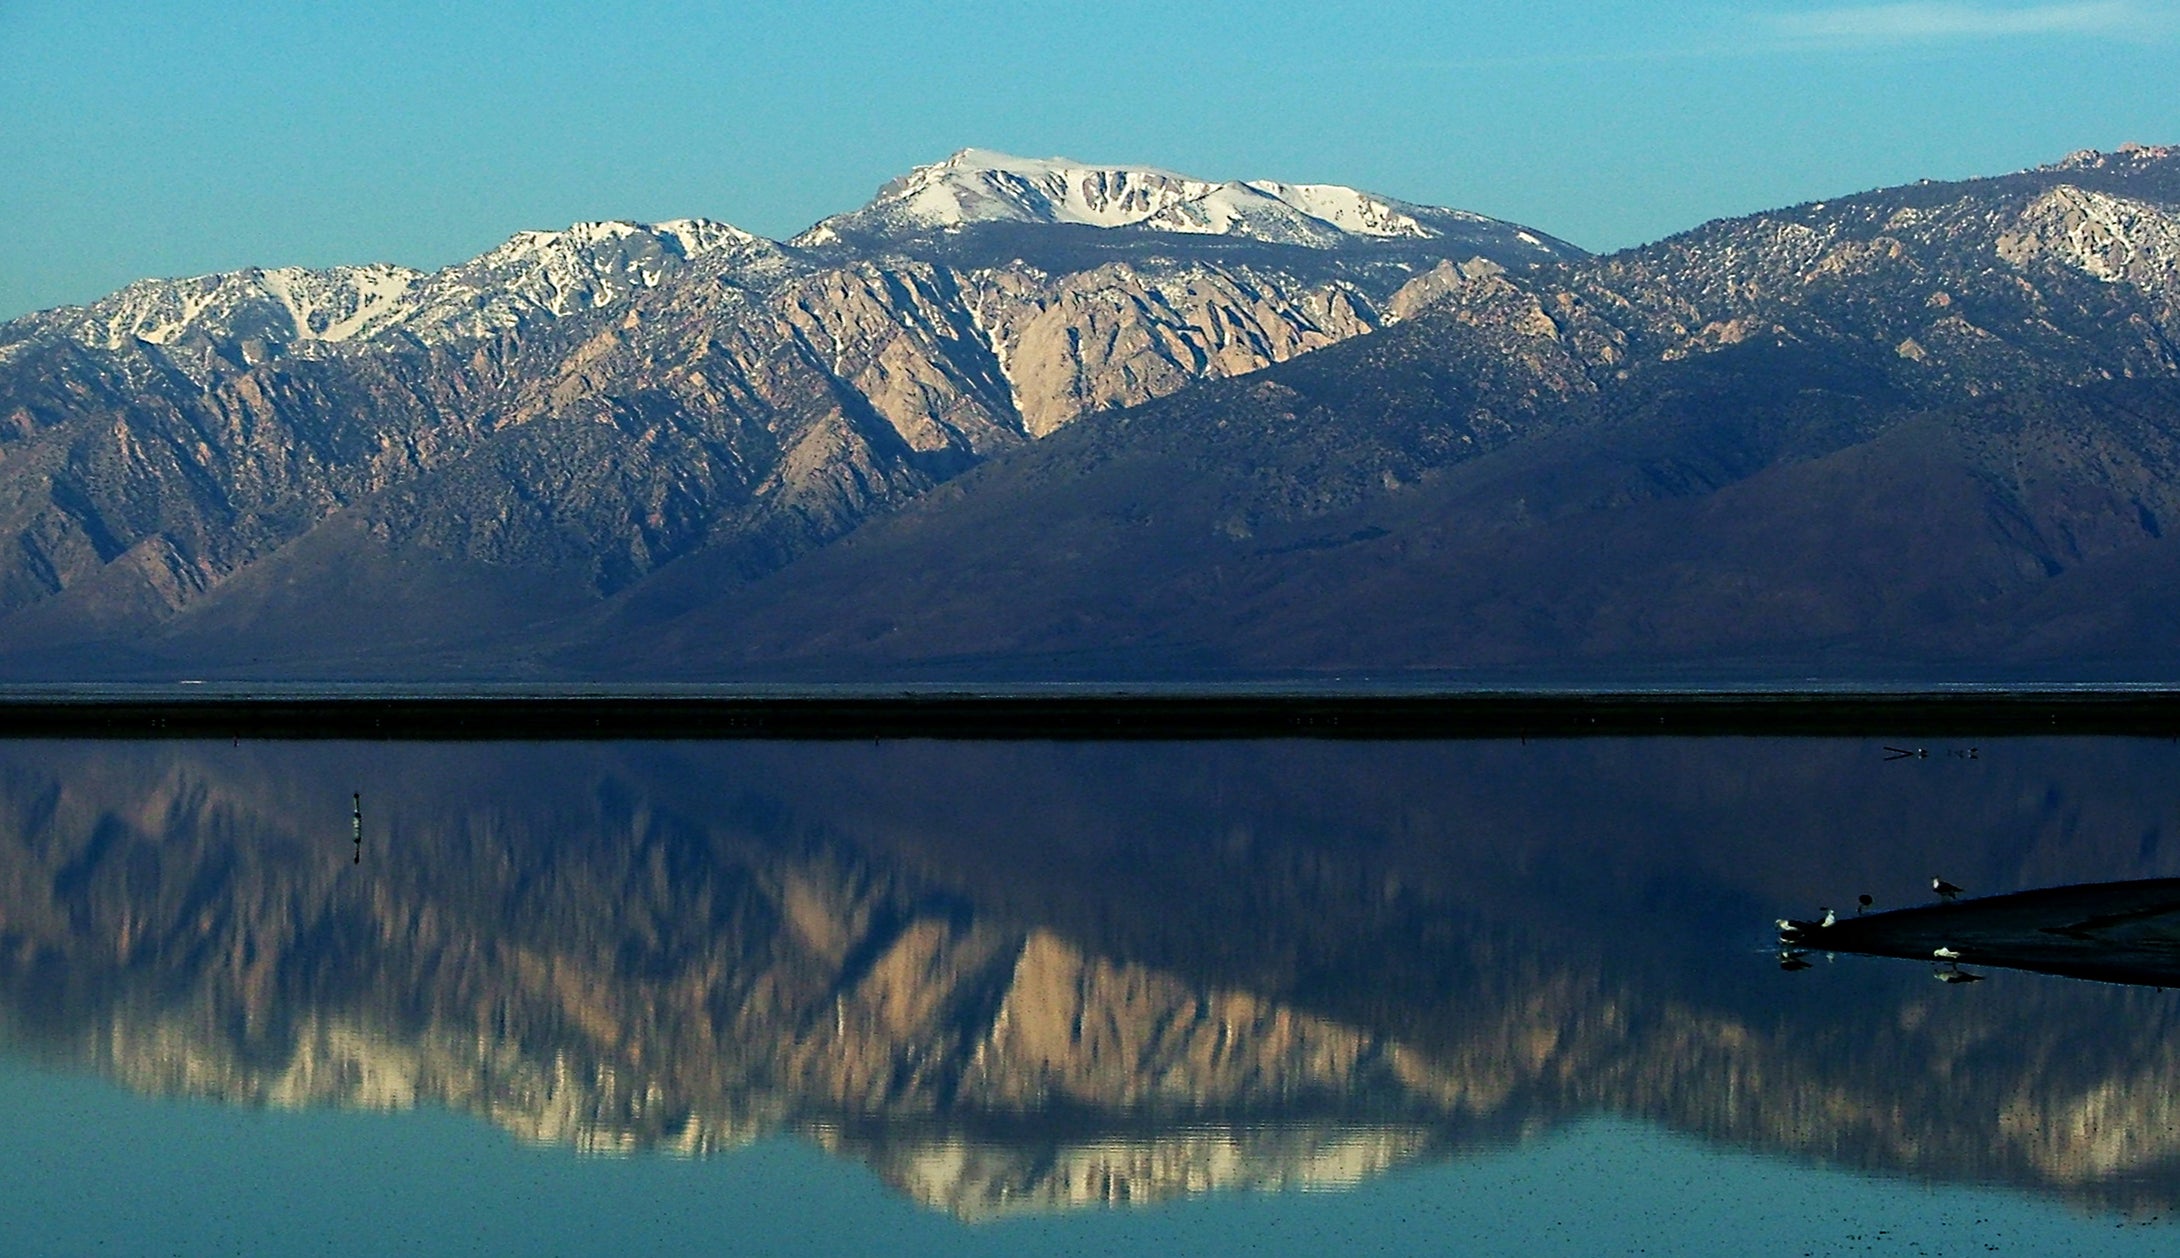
(1795, 926)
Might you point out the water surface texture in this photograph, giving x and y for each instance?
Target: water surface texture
(1064, 997)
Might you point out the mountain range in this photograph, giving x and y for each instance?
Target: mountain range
(1036, 418)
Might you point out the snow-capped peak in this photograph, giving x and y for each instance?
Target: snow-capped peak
(590, 265)
(979, 185)
(534, 274)
(537, 276)
(983, 186)
(276, 305)
(684, 237)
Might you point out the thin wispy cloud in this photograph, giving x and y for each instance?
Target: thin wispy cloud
(1927, 21)
(1904, 24)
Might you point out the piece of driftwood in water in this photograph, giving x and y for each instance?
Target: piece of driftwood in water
(2114, 932)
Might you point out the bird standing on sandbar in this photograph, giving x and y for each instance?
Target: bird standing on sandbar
(1792, 928)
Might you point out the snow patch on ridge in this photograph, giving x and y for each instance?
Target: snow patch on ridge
(1357, 213)
(534, 274)
(583, 267)
(2125, 156)
(280, 304)
(2113, 239)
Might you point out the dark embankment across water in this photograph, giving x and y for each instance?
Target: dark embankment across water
(1074, 713)
(2112, 932)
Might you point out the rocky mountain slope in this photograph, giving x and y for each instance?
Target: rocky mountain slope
(575, 409)
(1927, 428)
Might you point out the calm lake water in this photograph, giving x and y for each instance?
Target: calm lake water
(937, 997)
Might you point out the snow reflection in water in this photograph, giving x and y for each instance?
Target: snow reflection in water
(1016, 977)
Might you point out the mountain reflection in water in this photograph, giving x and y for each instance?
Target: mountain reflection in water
(1028, 976)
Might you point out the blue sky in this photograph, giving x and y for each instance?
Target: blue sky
(180, 137)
